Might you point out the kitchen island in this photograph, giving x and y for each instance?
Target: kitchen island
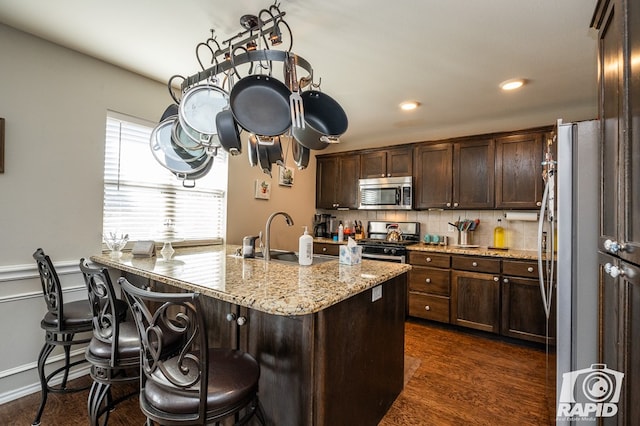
(329, 337)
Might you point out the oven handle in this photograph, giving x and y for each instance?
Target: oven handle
(400, 259)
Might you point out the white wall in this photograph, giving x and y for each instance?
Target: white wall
(55, 101)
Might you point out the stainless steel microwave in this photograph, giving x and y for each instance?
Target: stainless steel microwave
(393, 193)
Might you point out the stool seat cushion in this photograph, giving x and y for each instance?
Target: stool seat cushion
(233, 377)
(76, 314)
(128, 344)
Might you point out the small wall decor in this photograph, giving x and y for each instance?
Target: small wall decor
(1, 145)
(263, 189)
(285, 177)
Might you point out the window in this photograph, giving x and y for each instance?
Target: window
(140, 195)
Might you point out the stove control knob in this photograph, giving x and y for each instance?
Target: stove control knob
(393, 251)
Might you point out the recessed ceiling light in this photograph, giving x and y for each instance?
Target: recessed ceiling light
(514, 83)
(409, 105)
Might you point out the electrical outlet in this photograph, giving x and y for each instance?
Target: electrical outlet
(376, 293)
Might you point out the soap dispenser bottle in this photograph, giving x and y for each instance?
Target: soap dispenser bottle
(305, 249)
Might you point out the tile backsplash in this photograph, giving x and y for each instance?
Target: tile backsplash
(519, 234)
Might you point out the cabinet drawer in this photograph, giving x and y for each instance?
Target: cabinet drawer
(429, 259)
(479, 264)
(520, 268)
(326, 248)
(429, 307)
(429, 280)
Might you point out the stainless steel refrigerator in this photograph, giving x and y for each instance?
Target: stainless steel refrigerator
(570, 208)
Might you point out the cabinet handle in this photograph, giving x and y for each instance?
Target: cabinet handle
(496, 279)
(455, 204)
(448, 204)
(427, 308)
(613, 246)
(388, 174)
(241, 320)
(505, 280)
(231, 316)
(324, 249)
(428, 259)
(382, 175)
(530, 269)
(538, 203)
(428, 280)
(613, 270)
(474, 264)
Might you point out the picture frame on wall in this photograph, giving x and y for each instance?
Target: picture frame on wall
(1, 145)
(262, 189)
(285, 176)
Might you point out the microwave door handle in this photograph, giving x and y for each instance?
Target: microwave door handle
(398, 195)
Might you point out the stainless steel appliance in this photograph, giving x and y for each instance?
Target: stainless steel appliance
(379, 245)
(393, 193)
(571, 206)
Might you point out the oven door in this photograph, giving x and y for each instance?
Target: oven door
(385, 257)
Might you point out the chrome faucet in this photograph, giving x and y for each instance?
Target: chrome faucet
(267, 233)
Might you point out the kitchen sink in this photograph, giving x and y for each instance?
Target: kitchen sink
(292, 257)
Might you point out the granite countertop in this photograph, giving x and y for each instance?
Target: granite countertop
(476, 251)
(274, 287)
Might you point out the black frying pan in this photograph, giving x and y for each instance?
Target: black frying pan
(300, 154)
(228, 132)
(325, 121)
(260, 105)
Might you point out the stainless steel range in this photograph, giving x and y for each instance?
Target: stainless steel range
(388, 241)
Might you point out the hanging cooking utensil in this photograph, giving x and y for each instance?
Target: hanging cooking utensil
(169, 112)
(252, 151)
(228, 132)
(198, 109)
(295, 100)
(325, 121)
(189, 180)
(263, 158)
(260, 105)
(275, 152)
(300, 154)
(170, 155)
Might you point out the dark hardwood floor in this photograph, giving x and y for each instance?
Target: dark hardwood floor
(462, 378)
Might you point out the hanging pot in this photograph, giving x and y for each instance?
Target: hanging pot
(170, 155)
(260, 105)
(252, 152)
(325, 121)
(169, 112)
(228, 132)
(180, 138)
(189, 180)
(198, 110)
(300, 154)
(263, 158)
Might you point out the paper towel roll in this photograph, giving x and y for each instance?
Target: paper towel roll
(524, 216)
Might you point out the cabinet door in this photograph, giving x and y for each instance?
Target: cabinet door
(523, 313)
(433, 165)
(518, 170)
(400, 162)
(475, 300)
(373, 165)
(326, 178)
(473, 174)
(347, 183)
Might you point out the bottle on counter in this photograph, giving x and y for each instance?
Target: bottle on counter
(340, 232)
(305, 248)
(498, 235)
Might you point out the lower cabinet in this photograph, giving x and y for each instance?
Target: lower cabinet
(523, 314)
(429, 286)
(475, 293)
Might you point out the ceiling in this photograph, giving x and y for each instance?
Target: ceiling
(371, 55)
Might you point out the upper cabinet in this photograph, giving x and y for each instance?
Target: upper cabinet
(337, 181)
(454, 175)
(386, 163)
(518, 170)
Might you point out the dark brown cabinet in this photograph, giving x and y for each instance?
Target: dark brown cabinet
(429, 286)
(386, 163)
(455, 174)
(475, 293)
(523, 314)
(337, 181)
(518, 170)
(326, 248)
(618, 25)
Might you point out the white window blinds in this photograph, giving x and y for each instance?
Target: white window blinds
(140, 194)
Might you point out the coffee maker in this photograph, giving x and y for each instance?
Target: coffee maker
(321, 227)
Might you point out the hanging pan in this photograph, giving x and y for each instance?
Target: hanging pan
(300, 154)
(325, 121)
(170, 155)
(228, 132)
(198, 109)
(260, 105)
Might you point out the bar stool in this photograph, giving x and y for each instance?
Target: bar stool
(200, 385)
(114, 350)
(61, 323)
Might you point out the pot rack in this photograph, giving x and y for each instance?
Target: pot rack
(225, 59)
